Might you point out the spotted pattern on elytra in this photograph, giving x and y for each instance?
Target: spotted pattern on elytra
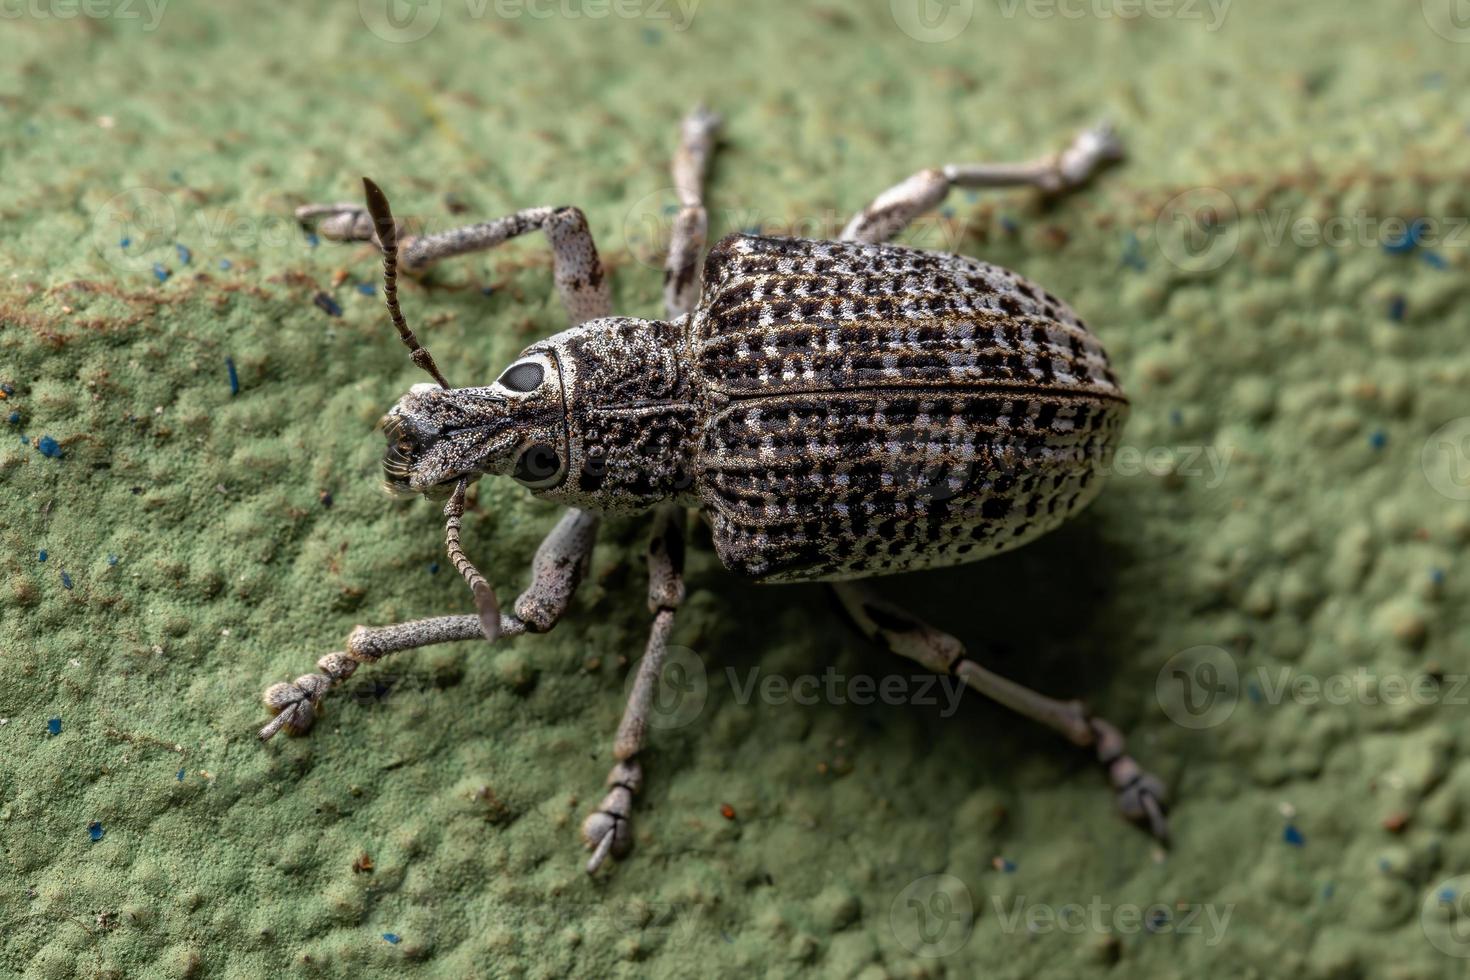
(876, 409)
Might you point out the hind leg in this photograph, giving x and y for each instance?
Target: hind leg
(691, 227)
(1141, 796)
(893, 210)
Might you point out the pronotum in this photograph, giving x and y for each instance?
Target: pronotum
(835, 410)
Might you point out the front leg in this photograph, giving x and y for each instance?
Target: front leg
(559, 566)
(608, 830)
(576, 266)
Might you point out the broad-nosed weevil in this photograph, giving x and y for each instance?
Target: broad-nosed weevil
(835, 410)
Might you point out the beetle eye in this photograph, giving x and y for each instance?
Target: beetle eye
(538, 466)
(523, 377)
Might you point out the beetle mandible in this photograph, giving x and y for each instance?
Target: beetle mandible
(834, 409)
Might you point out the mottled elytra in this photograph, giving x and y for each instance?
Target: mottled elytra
(836, 410)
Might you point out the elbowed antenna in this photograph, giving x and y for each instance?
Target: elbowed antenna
(387, 229)
(486, 605)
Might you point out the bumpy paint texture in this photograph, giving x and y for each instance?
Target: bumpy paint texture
(1269, 594)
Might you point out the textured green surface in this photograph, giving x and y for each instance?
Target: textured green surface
(1317, 371)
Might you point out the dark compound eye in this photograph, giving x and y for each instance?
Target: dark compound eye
(523, 377)
(537, 466)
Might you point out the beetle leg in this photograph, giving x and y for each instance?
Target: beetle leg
(691, 227)
(576, 266)
(893, 210)
(608, 830)
(560, 564)
(1141, 796)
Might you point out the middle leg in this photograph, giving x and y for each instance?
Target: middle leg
(576, 266)
(608, 829)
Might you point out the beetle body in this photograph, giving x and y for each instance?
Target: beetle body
(836, 410)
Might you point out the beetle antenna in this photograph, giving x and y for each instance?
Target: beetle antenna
(383, 224)
(486, 604)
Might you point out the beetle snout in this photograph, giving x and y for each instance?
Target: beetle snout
(437, 435)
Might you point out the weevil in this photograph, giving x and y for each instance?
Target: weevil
(835, 410)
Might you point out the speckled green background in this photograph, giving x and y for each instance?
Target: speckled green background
(204, 563)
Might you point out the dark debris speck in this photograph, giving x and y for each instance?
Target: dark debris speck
(327, 304)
